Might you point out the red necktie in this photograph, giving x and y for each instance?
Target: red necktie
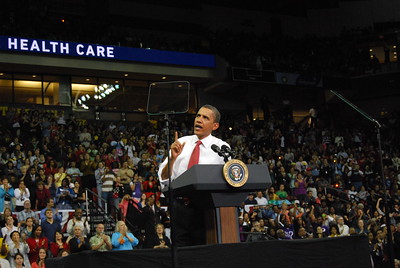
(194, 158)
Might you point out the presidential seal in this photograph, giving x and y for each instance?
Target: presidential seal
(235, 173)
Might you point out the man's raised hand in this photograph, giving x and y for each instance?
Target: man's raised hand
(176, 147)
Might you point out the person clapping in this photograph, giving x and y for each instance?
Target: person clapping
(122, 239)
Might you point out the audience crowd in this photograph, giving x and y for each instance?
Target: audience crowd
(325, 182)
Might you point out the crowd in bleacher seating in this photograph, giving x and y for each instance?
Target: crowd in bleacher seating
(325, 182)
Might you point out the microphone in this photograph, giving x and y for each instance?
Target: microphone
(228, 151)
(216, 149)
(221, 153)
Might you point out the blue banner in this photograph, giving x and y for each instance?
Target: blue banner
(74, 49)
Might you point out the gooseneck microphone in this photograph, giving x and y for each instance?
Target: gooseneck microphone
(228, 151)
(220, 152)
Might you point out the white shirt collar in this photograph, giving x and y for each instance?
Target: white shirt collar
(206, 142)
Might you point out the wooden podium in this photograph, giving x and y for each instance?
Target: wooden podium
(207, 188)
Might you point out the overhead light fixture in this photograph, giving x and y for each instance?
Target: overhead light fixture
(125, 75)
(164, 77)
(87, 79)
(34, 76)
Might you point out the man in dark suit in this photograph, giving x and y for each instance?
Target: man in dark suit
(153, 215)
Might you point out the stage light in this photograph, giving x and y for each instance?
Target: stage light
(117, 86)
(79, 101)
(83, 98)
(87, 96)
(96, 97)
(101, 88)
(103, 95)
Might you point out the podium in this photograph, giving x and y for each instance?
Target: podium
(205, 185)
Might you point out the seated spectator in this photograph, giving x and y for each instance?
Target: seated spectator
(26, 231)
(9, 229)
(80, 221)
(319, 232)
(250, 200)
(343, 228)
(36, 242)
(6, 194)
(73, 171)
(7, 212)
(59, 176)
(78, 243)
(64, 195)
(40, 262)
(142, 201)
(50, 225)
(281, 193)
(160, 240)
(18, 261)
(50, 205)
(302, 233)
(100, 241)
(137, 187)
(42, 194)
(126, 176)
(309, 199)
(16, 246)
(80, 196)
(27, 213)
(151, 187)
(261, 200)
(52, 168)
(58, 245)
(334, 231)
(21, 194)
(122, 239)
(49, 185)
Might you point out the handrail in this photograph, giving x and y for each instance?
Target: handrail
(99, 197)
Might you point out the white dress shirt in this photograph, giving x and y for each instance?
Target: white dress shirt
(207, 155)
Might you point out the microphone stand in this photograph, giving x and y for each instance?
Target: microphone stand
(385, 201)
(174, 249)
